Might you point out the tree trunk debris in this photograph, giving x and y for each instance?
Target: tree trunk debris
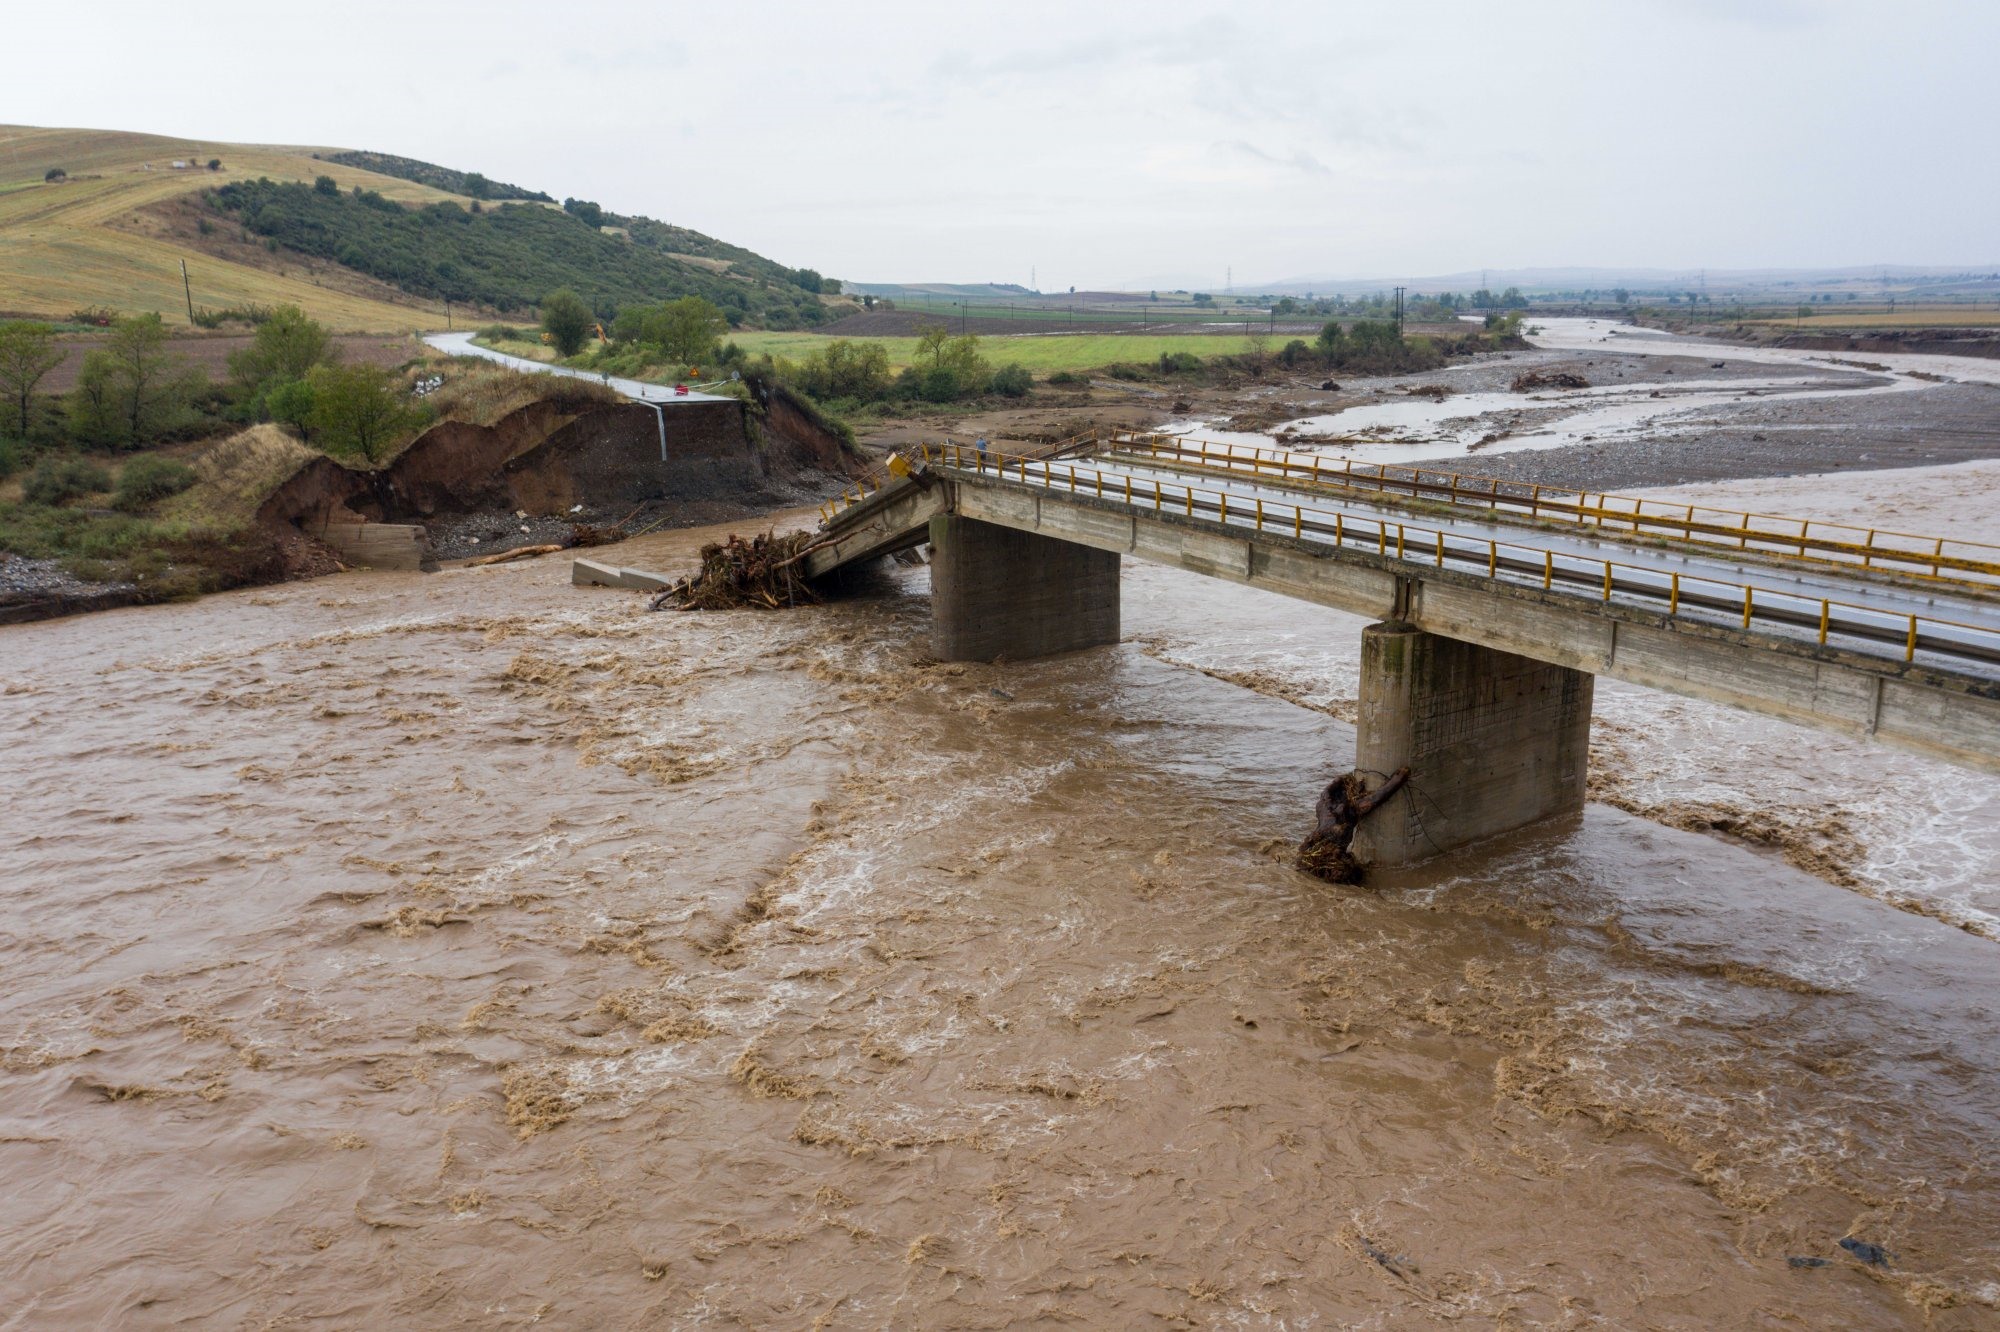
(763, 572)
(1345, 802)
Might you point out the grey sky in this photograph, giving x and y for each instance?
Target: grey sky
(1121, 144)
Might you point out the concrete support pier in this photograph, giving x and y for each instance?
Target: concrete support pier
(1492, 741)
(1002, 592)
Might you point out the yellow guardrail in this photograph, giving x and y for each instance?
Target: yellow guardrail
(1968, 563)
(1411, 543)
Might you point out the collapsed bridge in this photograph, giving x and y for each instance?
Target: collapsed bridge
(1496, 604)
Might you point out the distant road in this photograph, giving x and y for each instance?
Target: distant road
(461, 344)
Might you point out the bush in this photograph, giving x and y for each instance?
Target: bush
(1012, 381)
(1179, 363)
(502, 333)
(567, 320)
(1069, 377)
(58, 480)
(145, 481)
(11, 452)
(54, 174)
(940, 383)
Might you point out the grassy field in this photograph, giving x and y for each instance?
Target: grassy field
(1040, 353)
(1834, 318)
(69, 245)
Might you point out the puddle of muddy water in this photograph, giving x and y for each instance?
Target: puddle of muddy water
(480, 949)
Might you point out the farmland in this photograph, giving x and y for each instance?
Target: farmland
(1881, 317)
(1041, 353)
(82, 241)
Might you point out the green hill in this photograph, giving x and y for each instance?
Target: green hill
(105, 219)
(509, 255)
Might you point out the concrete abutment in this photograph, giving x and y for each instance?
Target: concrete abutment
(1493, 741)
(1003, 592)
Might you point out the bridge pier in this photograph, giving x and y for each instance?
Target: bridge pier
(1002, 592)
(1493, 741)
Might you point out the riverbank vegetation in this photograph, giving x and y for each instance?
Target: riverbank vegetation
(103, 478)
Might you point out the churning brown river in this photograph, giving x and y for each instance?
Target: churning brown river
(472, 949)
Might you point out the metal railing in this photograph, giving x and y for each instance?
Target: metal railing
(1966, 563)
(1695, 596)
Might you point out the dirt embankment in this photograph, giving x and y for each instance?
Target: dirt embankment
(550, 463)
(1940, 341)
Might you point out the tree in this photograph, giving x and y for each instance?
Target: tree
(133, 389)
(326, 185)
(584, 211)
(687, 329)
(293, 402)
(359, 409)
(477, 186)
(215, 164)
(285, 347)
(932, 336)
(93, 411)
(28, 352)
(54, 174)
(567, 320)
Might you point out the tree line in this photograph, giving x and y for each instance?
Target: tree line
(506, 256)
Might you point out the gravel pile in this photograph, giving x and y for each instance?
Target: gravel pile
(30, 580)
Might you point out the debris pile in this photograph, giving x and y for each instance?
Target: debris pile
(763, 572)
(1324, 853)
(1541, 379)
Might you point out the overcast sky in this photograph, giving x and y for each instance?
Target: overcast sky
(1112, 144)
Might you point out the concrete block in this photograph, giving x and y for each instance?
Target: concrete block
(644, 581)
(590, 573)
(1493, 741)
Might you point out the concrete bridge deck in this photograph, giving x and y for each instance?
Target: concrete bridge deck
(1493, 624)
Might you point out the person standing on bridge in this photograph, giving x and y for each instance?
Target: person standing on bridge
(981, 447)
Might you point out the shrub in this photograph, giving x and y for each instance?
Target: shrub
(58, 480)
(1296, 353)
(360, 409)
(940, 383)
(567, 320)
(54, 174)
(1012, 381)
(145, 481)
(1069, 377)
(11, 451)
(1179, 363)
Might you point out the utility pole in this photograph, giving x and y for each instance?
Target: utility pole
(447, 314)
(187, 291)
(1399, 313)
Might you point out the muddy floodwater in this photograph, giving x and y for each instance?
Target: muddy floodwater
(472, 949)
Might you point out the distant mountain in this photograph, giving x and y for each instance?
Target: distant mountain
(1532, 280)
